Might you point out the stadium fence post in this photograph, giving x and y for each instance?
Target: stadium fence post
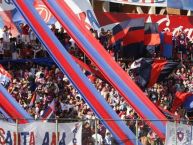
(17, 133)
(136, 130)
(95, 122)
(56, 131)
(176, 142)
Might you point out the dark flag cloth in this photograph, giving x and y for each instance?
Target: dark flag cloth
(166, 44)
(119, 31)
(149, 71)
(188, 103)
(151, 38)
(132, 43)
(183, 99)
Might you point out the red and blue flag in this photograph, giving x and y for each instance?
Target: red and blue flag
(134, 39)
(182, 99)
(151, 37)
(166, 44)
(149, 71)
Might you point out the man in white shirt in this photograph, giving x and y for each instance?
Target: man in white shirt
(98, 138)
(6, 38)
(108, 139)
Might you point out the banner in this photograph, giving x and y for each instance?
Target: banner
(85, 12)
(165, 22)
(6, 5)
(159, 3)
(181, 4)
(178, 134)
(12, 18)
(39, 133)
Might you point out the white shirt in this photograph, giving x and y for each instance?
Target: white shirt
(97, 137)
(1, 48)
(6, 37)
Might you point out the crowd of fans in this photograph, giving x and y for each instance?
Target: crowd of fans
(46, 83)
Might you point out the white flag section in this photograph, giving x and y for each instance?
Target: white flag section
(159, 3)
(39, 133)
(178, 134)
(85, 12)
(6, 5)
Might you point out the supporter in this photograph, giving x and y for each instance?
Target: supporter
(108, 139)
(182, 41)
(13, 48)
(54, 29)
(87, 134)
(32, 37)
(103, 37)
(25, 33)
(6, 38)
(1, 49)
(97, 138)
(94, 33)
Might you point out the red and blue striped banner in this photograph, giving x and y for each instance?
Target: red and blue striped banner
(109, 68)
(59, 54)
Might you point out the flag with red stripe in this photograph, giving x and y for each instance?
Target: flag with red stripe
(166, 44)
(180, 99)
(119, 31)
(149, 71)
(134, 39)
(151, 37)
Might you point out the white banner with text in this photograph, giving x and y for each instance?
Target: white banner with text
(40, 133)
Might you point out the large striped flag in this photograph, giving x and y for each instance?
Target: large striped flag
(151, 37)
(134, 39)
(150, 71)
(5, 76)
